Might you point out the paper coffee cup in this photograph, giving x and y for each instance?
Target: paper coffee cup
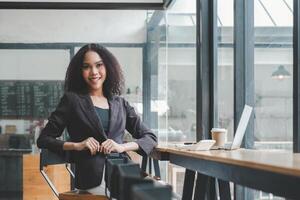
(219, 134)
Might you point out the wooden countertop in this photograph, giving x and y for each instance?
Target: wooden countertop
(277, 161)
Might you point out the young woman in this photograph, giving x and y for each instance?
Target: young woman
(95, 116)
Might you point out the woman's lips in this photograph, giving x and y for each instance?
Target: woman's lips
(94, 79)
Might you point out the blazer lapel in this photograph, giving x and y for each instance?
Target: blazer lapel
(91, 115)
(113, 105)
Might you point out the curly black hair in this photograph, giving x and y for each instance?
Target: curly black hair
(114, 82)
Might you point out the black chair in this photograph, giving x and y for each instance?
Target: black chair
(121, 174)
(151, 192)
(129, 175)
(111, 172)
(50, 158)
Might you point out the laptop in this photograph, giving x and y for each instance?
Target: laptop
(240, 131)
(204, 145)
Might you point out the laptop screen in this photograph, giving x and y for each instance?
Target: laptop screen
(240, 131)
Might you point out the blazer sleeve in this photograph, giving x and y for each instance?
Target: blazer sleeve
(145, 138)
(57, 122)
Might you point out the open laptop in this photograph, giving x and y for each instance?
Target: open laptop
(204, 145)
(240, 131)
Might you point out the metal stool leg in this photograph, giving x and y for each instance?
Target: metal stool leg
(201, 186)
(224, 189)
(156, 168)
(188, 186)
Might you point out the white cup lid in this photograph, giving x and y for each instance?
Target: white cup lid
(218, 130)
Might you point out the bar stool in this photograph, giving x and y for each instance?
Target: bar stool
(50, 158)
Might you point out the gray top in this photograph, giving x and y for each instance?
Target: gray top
(103, 115)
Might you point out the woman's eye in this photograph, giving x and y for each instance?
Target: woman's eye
(85, 67)
(99, 65)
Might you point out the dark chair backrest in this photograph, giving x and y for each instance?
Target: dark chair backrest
(50, 158)
(127, 182)
(121, 174)
(111, 178)
(151, 192)
(127, 174)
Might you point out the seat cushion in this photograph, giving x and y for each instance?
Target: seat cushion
(73, 195)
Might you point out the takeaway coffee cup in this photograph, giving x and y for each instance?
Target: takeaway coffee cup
(219, 135)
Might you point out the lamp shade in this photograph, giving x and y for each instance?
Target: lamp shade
(281, 73)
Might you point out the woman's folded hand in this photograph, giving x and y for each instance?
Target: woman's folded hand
(109, 146)
(90, 143)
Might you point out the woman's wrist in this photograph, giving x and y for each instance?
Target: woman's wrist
(76, 146)
(72, 146)
(122, 148)
(130, 146)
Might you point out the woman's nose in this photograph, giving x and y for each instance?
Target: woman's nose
(94, 70)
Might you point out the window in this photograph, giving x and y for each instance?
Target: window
(273, 74)
(225, 66)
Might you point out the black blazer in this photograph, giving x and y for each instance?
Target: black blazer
(76, 113)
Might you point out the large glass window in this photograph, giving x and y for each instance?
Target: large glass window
(225, 66)
(273, 73)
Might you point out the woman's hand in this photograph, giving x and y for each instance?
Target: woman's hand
(91, 144)
(109, 146)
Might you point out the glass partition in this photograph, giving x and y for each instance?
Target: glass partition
(173, 82)
(177, 64)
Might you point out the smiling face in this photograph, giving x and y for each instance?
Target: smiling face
(93, 71)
